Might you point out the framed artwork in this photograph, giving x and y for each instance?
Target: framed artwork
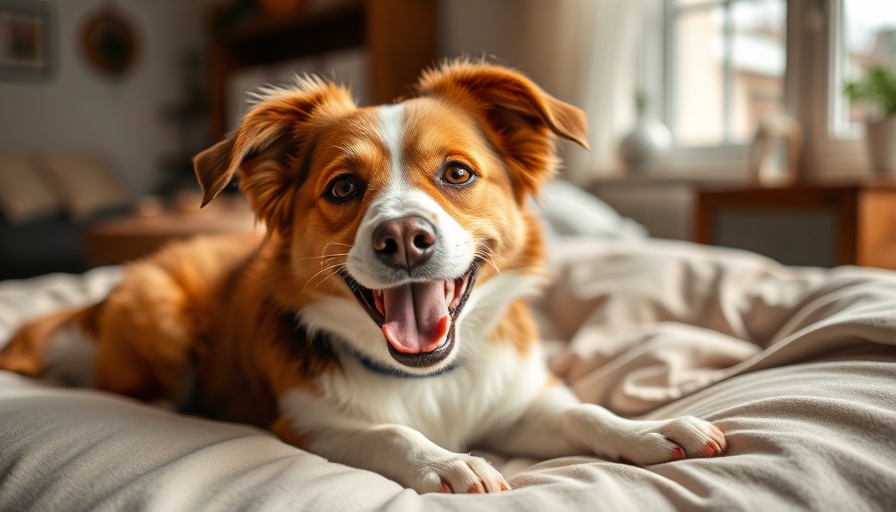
(26, 40)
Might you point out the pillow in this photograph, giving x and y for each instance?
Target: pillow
(24, 195)
(571, 211)
(85, 183)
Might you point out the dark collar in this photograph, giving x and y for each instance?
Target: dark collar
(391, 371)
(330, 343)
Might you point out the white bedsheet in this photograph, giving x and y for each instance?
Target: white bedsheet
(798, 366)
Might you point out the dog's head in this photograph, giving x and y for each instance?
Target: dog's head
(386, 223)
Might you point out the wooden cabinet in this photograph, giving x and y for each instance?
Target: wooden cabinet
(123, 239)
(399, 35)
(822, 224)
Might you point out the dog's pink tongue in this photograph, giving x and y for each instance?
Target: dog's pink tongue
(416, 317)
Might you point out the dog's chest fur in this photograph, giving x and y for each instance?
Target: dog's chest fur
(490, 385)
(454, 409)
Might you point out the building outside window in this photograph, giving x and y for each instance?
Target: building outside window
(725, 63)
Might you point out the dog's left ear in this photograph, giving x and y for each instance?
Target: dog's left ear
(523, 118)
(263, 148)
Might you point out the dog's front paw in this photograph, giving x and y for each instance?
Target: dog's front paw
(459, 473)
(662, 441)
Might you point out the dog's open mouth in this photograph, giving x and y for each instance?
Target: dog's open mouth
(417, 319)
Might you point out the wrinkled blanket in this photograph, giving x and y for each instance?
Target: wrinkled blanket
(796, 365)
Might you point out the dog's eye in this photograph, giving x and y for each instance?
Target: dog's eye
(342, 189)
(457, 174)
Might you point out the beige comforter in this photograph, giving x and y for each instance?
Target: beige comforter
(798, 366)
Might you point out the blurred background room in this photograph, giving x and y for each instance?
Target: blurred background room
(731, 122)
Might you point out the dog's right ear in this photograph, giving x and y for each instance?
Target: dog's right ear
(524, 119)
(260, 150)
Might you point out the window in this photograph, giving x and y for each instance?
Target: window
(725, 63)
(867, 37)
(728, 59)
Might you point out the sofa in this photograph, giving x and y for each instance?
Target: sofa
(46, 202)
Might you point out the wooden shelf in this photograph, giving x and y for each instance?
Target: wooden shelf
(267, 40)
(400, 36)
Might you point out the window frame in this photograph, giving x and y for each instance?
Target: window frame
(825, 154)
(808, 80)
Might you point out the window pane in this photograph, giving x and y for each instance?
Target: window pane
(698, 97)
(728, 68)
(690, 3)
(759, 49)
(867, 38)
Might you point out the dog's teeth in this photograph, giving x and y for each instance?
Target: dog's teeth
(449, 291)
(378, 302)
(456, 291)
(460, 288)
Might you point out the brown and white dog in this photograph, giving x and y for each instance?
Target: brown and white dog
(381, 321)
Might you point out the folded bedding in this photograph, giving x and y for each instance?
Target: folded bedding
(796, 365)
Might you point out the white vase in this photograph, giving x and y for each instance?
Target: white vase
(881, 138)
(649, 139)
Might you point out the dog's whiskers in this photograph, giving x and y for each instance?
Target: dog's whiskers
(321, 271)
(327, 258)
(489, 257)
(490, 261)
(338, 244)
(331, 258)
(323, 256)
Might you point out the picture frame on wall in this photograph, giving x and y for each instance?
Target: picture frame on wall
(26, 40)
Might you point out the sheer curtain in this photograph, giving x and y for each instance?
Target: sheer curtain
(587, 53)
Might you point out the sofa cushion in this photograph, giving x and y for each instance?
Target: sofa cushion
(25, 195)
(85, 183)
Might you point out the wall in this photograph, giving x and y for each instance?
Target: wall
(477, 28)
(79, 109)
(502, 30)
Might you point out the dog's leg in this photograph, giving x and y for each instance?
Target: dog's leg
(557, 424)
(395, 451)
(59, 346)
(146, 339)
(401, 454)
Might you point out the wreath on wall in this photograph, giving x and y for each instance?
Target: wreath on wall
(110, 41)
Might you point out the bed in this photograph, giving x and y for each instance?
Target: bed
(796, 365)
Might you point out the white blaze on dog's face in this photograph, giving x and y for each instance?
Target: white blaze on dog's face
(409, 251)
(443, 203)
(390, 219)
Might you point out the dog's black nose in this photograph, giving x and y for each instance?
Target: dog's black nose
(404, 243)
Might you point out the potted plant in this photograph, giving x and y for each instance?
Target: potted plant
(878, 89)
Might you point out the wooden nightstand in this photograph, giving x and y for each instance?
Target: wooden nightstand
(819, 224)
(126, 238)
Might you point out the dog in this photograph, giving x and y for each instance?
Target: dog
(381, 319)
